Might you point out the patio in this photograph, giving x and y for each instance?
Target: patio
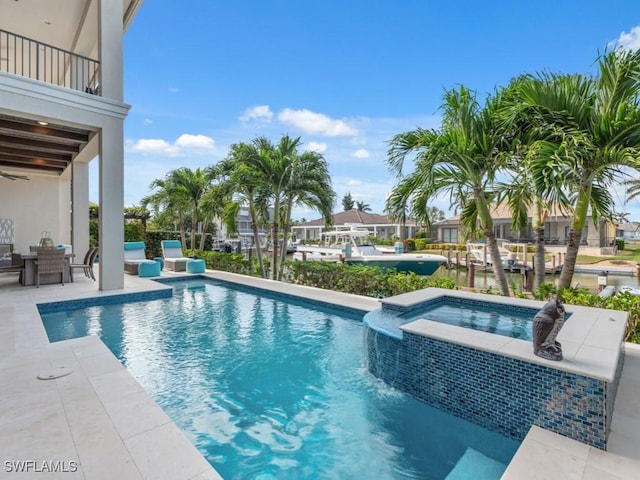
(100, 418)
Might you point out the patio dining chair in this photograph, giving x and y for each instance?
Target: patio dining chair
(50, 260)
(16, 265)
(86, 265)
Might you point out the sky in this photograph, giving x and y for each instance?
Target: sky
(343, 75)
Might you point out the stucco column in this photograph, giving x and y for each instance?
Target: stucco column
(111, 181)
(80, 209)
(110, 32)
(111, 156)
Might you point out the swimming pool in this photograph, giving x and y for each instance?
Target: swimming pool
(267, 388)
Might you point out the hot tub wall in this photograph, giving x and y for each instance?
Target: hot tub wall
(495, 391)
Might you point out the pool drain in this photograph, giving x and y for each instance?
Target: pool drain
(54, 373)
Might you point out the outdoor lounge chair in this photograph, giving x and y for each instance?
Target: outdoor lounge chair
(86, 265)
(173, 258)
(134, 255)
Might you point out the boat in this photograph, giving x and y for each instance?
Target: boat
(480, 254)
(631, 290)
(354, 246)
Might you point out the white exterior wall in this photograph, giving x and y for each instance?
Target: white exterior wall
(35, 206)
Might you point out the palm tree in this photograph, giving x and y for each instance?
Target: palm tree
(363, 207)
(461, 159)
(193, 184)
(591, 131)
(248, 188)
(310, 186)
(168, 203)
(633, 188)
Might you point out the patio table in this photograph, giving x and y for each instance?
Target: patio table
(29, 278)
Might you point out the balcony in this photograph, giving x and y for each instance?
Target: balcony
(39, 61)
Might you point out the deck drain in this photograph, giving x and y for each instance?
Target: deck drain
(56, 372)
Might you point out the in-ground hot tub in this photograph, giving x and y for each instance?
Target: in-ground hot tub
(495, 380)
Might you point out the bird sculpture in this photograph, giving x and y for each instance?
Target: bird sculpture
(546, 325)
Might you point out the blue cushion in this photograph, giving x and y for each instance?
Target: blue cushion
(171, 244)
(134, 245)
(149, 268)
(195, 265)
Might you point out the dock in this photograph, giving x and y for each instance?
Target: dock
(459, 259)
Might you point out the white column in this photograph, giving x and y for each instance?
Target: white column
(110, 33)
(111, 180)
(111, 156)
(80, 209)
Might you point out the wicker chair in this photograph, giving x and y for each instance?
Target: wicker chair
(17, 265)
(86, 265)
(50, 260)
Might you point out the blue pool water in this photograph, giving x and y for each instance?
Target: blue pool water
(477, 316)
(271, 389)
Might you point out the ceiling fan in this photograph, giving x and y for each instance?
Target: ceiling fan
(10, 176)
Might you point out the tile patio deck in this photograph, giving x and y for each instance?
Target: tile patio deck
(99, 419)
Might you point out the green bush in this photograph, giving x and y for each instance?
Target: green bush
(411, 244)
(421, 243)
(620, 301)
(153, 246)
(620, 244)
(228, 262)
(360, 280)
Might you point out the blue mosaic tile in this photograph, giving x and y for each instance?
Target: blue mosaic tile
(497, 392)
(103, 300)
(352, 312)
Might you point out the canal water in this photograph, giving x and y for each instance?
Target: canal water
(485, 280)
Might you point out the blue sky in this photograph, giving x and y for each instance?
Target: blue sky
(344, 75)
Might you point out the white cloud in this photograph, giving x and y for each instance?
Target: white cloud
(173, 89)
(148, 121)
(154, 146)
(353, 183)
(319, 147)
(360, 153)
(196, 142)
(185, 142)
(316, 123)
(629, 41)
(259, 112)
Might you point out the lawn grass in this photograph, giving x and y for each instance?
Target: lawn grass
(629, 254)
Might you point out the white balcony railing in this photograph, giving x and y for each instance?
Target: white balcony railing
(29, 58)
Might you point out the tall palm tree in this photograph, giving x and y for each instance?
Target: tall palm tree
(168, 203)
(591, 131)
(193, 184)
(461, 159)
(310, 186)
(247, 186)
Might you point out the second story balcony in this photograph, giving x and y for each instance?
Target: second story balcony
(26, 57)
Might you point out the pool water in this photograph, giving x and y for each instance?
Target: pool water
(271, 389)
(486, 317)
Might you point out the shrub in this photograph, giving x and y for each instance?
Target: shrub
(621, 301)
(360, 280)
(620, 244)
(420, 243)
(411, 244)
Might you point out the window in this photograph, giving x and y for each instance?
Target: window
(450, 235)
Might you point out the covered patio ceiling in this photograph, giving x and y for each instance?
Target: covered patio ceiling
(28, 145)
